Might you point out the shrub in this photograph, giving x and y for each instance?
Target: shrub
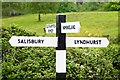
(39, 63)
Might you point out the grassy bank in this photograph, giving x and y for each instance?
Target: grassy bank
(92, 23)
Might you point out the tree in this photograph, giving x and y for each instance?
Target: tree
(13, 8)
(44, 7)
(67, 7)
(114, 6)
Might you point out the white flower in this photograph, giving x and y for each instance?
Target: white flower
(82, 66)
(90, 71)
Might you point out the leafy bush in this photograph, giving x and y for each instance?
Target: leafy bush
(39, 63)
(67, 7)
(113, 6)
(98, 6)
(26, 62)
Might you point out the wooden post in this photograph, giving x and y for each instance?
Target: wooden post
(61, 49)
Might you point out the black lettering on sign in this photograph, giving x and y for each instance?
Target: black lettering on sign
(47, 26)
(87, 41)
(66, 27)
(50, 30)
(50, 26)
(73, 26)
(22, 41)
(40, 41)
(99, 41)
(69, 27)
(76, 41)
(53, 25)
(30, 41)
(18, 40)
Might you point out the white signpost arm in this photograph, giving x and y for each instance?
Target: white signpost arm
(22, 41)
(86, 42)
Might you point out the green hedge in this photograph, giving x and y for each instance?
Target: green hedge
(39, 62)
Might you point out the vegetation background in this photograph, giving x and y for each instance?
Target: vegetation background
(99, 19)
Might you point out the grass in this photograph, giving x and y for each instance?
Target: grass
(92, 23)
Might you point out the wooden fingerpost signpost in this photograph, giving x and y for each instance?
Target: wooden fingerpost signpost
(60, 49)
(60, 42)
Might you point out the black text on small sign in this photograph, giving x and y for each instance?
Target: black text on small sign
(86, 42)
(50, 28)
(32, 41)
(70, 27)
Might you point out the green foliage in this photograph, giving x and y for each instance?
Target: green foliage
(27, 62)
(93, 63)
(44, 7)
(67, 7)
(98, 6)
(20, 8)
(88, 6)
(113, 6)
(14, 8)
(39, 63)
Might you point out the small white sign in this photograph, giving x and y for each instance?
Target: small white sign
(86, 42)
(50, 28)
(21, 41)
(70, 27)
